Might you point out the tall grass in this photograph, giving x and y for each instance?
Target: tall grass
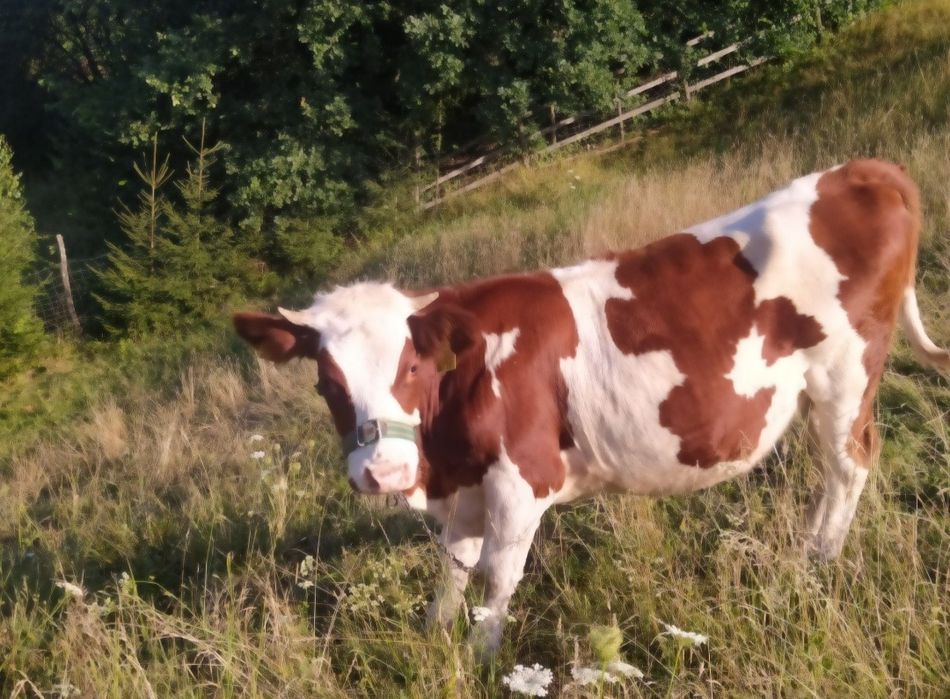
(207, 571)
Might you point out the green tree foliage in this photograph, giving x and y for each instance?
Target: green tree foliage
(179, 267)
(317, 100)
(21, 332)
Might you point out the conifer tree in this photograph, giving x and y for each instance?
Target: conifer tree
(21, 331)
(180, 267)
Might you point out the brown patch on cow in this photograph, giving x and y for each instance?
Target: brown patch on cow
(331, 384)
(696, 300)
(785, 329)
(867, 218)
(464, 422)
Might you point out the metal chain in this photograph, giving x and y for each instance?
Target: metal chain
(401, 498)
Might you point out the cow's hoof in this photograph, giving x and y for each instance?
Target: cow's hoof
(442, 614)
(485, 639)
(822, 550)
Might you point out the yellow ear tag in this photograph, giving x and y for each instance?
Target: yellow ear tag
(446, 362)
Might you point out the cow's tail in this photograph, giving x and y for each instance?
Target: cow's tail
(924, 348)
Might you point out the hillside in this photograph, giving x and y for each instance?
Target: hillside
(196, 495)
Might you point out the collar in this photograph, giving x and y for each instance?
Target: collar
(372, 431)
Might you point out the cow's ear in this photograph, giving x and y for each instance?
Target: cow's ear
(276, 338)
(441, 331)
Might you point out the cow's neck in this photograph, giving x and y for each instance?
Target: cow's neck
(456, 443)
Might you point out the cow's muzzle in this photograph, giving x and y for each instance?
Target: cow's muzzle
(382, 456)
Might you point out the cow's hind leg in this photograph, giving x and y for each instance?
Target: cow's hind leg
(848, 447)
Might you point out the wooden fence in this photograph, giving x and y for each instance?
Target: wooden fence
(564, 132)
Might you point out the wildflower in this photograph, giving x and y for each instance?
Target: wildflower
(126, 584)
(258, 455)
(531, 681)
(64, 690)
(256, 438)
(480, 614)
(697, 639)
(71, 589)
(625, 669)
(592, 675)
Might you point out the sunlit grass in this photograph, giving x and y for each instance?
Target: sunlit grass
(210, 570)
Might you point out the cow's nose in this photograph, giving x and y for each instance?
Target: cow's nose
(372, 485)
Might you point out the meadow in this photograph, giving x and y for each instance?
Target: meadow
(181, 526)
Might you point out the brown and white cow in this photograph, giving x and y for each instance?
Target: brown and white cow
(659, 370)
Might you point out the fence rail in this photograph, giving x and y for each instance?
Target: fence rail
(434, 193)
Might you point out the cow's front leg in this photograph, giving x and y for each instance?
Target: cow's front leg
(512, 515)
(462, 517)
(459, 555)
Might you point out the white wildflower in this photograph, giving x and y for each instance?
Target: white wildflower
(64, 690)
(256, 438)
(126, 584)
(592, 675)
(697, 639)
(610, 675)
(625, 669)
(531, 681)
(480, 614)
(306, 570)
(258, 455)
(71, 589)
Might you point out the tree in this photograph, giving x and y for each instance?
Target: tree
(21, 332)
(180, 267)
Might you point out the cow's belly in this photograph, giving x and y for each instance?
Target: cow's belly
(617, 413)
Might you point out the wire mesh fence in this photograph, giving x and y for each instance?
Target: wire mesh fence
(52, 303)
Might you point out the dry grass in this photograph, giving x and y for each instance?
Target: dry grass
(266, 577)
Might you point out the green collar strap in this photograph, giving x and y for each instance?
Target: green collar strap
(372, 431)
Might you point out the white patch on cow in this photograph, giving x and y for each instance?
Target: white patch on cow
(417, 499)
(364, 328)
(498, 348)
(786, 376)
(614, 398)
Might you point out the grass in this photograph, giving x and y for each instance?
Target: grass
(207, 572)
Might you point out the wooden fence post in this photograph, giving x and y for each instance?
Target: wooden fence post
(67, 289)
(620, 115)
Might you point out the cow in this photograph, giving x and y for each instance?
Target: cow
(659, 370)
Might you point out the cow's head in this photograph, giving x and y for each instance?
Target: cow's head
(379, 352)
